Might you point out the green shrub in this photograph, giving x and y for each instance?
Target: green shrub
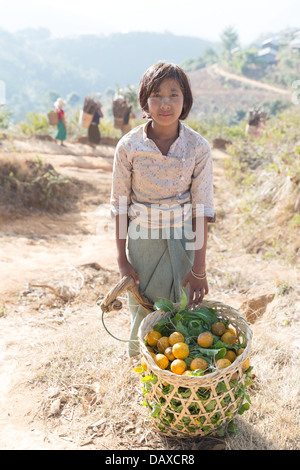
(34, 123)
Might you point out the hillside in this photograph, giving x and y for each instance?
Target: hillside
(217, 92)
(32, 63)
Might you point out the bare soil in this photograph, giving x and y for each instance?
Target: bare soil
(216, 90)
(75, 253)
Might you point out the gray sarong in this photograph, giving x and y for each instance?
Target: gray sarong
(161, 263)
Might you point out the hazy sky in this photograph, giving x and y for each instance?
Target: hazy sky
(202, 18)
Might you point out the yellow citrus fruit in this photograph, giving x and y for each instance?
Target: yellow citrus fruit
(230, 355)
(152, 337)
(218, 328)
(162, 344)
(187, 372)
(198, 363)
(178, 366)
(176, 337)
(246, 365)
(240, 351)
(168, 352)
(228, 338)
(223, 363)
(231, 330)
(143, 363)
(162, 361)
(180, 350)
(205, 339)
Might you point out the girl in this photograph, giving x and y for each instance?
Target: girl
(162, 196)
(62, 125)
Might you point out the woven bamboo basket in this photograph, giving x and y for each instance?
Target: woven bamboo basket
(118, 123)
(196, 406)
(203, 404)
(85, 119)
(52, 118)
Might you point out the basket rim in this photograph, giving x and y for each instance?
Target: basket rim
(186, 380)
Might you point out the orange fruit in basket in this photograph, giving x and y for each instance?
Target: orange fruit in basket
(162, 344)
(218, 328)
(176, 337)
(152, 337)
(223, 363)
(143, 363)
(246, 365)
(230, 355)
(178, 366)
(161, 360)
(198, 363)
(240, 351)
(231, 330)
(180, 350)
(205, 339)
(168, 352)
(228, 338)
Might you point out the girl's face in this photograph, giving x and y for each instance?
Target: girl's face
(165, 104)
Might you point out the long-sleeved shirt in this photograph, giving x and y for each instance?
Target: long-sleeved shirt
(145, 178)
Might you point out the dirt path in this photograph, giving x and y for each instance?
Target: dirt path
(44, 249)
(249, 81)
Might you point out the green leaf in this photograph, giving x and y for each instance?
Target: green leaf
(195, 351)
(149, 379)
(197, 372)
(243, 408)
(205, 314)
(156, 409)
(183, 301)
(232, 427)
(164, 304)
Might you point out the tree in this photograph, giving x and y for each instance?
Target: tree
(230, 40)
(49, 99)
(73, 98)
(5, 115)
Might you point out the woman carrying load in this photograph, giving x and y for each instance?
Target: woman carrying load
(62, 125)
(162, 196)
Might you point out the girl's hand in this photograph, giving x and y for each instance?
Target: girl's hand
(126, 268)
(198, 288)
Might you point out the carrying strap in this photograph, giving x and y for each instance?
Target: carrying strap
(111, 302)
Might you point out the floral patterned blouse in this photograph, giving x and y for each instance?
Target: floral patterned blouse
(145, 178)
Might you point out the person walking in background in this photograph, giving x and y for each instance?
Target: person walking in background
(94, 131)
(122, 112)
(62, 125)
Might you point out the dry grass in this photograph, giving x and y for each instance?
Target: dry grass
(274, 415)
(101, 400)
(32, 184)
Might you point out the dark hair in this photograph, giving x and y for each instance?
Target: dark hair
(152, 79)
